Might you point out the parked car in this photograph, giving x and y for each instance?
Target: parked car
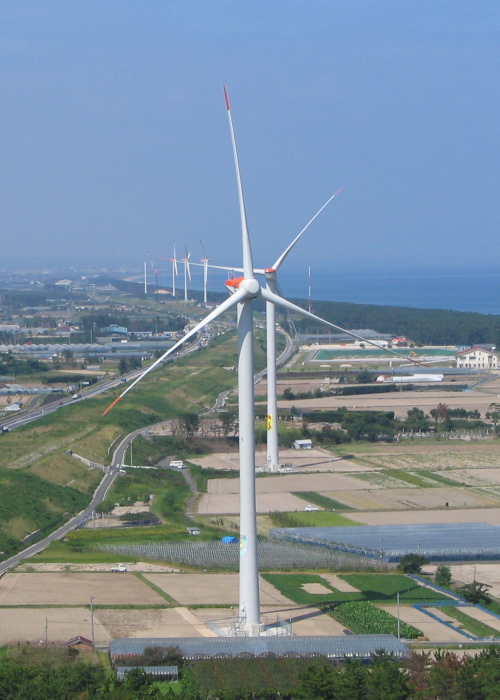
(177, 464)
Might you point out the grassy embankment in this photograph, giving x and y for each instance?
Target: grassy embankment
(37, 450)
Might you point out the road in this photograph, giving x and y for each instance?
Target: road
(99, 495)
(29, 416)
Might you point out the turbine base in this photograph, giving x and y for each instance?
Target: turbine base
(238, 627)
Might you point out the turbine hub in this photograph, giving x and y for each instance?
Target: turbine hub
(251, 286)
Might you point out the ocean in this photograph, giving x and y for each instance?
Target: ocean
(456, 291)
(479, 292)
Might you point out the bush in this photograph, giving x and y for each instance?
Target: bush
(412, 563)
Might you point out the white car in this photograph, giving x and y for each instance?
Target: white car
(119, 568)
(177, 464)
(309, 508)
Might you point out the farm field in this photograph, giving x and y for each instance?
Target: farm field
(210, 589)
(446, 515)
(486, 573)
(62, 624)
(75, 589)
(432, 629)
(399, 402)
(317, 460)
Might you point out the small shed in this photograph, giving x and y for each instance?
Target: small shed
(302, 445)
(194, 530)
(81, 643)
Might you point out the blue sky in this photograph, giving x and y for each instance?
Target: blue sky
(114, 137)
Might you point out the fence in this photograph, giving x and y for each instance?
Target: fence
(271, 555)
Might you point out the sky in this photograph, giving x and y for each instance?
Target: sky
(114, 138)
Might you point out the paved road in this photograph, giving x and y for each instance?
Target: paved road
(90, 393)
(99, 495)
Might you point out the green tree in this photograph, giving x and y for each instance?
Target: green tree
(320, 682)
(386, 681)
(412, 563)
(416, 420)
(476, 593)
(190, 423)
(443, 576)
(123, 366)
(365, 377)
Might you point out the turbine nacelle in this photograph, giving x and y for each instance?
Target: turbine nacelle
(248, 284)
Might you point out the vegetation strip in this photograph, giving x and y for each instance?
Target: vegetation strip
(322, 501)
(155, 588)
(476, 627)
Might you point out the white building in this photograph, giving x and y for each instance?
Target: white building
(302, 444)
(478, 358)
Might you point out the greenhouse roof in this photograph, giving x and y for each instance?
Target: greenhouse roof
(436, 541)
(348, 646)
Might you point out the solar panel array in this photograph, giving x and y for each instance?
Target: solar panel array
(271, 554)
(349, 646)
(390, 543)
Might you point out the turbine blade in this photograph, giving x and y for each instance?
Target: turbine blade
(282, 257)
(203, 249)
(238, 296)
(175, 263)
(247, 250)
(276, 299)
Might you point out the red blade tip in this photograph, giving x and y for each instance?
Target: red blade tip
(226, 98)
(111, 406)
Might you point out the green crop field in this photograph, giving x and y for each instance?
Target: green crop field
(319, 500)
(315, 518)
(377, 588)
(365, 618)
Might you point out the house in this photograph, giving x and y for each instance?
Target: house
(81, 643)
(302, 445)
(478, 358)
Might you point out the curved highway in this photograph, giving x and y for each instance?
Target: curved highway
(99, 495)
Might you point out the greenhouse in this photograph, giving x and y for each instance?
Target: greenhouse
(390, 543)
(349, 646)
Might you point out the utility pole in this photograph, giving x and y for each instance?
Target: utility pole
(46, 632)
(399, 621)
(92, 620)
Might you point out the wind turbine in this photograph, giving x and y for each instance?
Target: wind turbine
(155, 271)
(175, 270)
(270, 274)
(187, 273)
(244, 291)
(204, 260)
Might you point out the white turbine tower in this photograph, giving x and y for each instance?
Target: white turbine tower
(175, 271)
(244, 290)
(187, 273)
(204, 261)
